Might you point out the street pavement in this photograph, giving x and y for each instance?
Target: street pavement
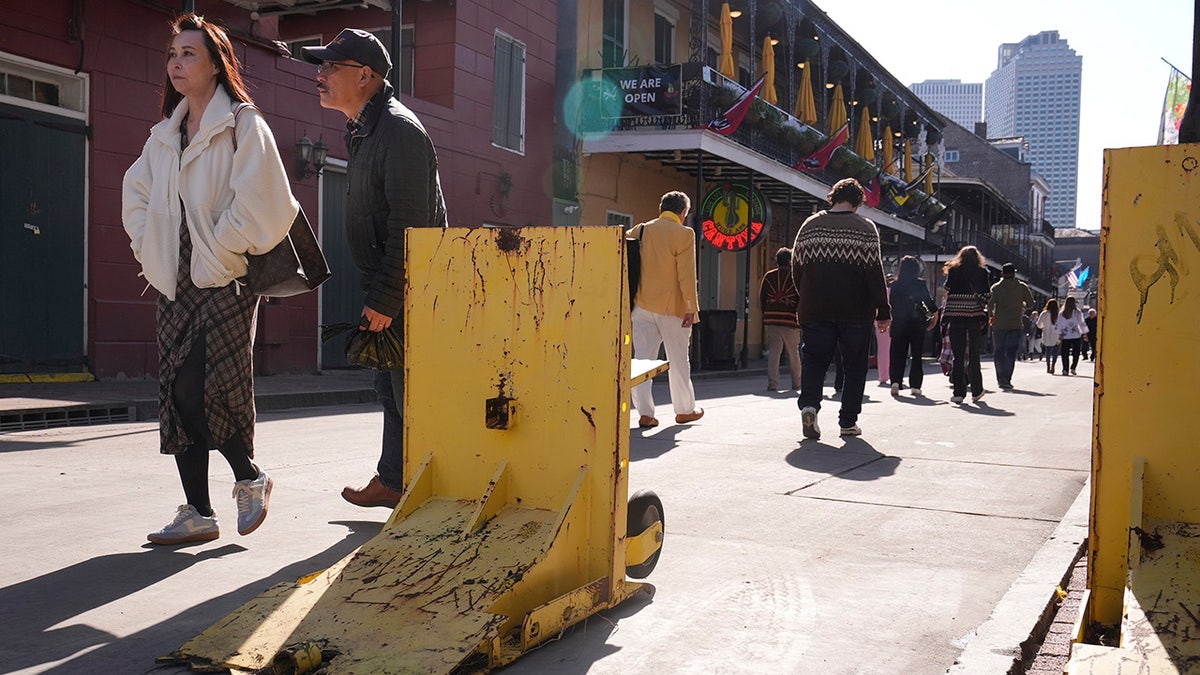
(939, 535)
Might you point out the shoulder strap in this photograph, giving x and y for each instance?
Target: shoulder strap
(237, 110)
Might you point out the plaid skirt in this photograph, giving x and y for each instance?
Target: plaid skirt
(227, 320)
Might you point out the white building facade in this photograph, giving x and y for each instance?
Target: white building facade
(1034, 94)
(961, 101)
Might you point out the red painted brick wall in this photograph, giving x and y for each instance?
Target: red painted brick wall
(123, 51)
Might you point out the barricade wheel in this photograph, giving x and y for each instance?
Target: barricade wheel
(645, 509)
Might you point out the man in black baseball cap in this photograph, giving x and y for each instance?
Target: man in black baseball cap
(392, 184)
(352, 44)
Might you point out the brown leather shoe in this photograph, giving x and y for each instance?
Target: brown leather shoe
(374, 494)
(647, 422)
(689, 417)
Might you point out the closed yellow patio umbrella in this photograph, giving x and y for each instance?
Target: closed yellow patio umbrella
(726, 65)
(768, 68)
(929, 173)
(837, 111)
(887, 149)
(806, 107)
(864, 144)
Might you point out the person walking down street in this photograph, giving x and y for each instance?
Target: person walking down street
(666, 306)
(779, 300)
(1051, 340)
(1092, 345)
(1072, 328)
(883, 343)
(208, 188)
(965, 314)
(912, 316)
(1006, 311)
(1029, 343)
(392, 183)
(838, 270)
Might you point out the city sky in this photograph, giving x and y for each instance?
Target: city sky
(1122, 45)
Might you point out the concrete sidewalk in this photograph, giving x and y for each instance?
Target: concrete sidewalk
(937, 537)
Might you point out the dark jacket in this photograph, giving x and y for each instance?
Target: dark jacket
(905, 295)
(391, 184)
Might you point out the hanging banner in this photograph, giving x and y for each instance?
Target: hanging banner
(652, 91)
(1179, 88)
(733, 216)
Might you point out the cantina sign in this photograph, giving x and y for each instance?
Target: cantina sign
(733, 216)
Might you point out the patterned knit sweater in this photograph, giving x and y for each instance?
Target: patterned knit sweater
(838, 269)
(778, 298)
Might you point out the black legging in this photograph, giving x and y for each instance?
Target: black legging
(188, 396)
(1071, 347)
(907, 343)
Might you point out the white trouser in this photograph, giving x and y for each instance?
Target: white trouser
(649, 331)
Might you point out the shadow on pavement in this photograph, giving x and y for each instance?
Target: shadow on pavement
(984, 407)
(653, 443)
(31, 609)
(855, 459)
(62, 595)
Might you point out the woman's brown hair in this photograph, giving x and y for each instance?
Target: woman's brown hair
(967, 255)
(220, 50)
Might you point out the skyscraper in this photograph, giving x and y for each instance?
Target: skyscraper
(1034, 93)
(961, 101)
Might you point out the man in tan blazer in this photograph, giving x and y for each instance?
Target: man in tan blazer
(666, 306)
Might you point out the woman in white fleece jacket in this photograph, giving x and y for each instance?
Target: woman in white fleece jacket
(208, 188)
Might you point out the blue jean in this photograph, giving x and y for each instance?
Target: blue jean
(853, 338)
(389, 387)
(1007, 344)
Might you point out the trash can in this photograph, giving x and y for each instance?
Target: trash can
(718, 327)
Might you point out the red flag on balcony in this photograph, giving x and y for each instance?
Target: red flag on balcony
(818, 160)
(728, 122)
(872, 192)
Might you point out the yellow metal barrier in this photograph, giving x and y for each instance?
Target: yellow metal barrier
(1142, 552)
(514, 521)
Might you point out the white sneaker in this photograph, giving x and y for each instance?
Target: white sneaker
(916, 393)
(895, 390)
(252, 498)
(851, 431)
(808, 419)
(188, 525)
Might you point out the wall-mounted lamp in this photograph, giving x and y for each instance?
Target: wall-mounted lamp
(735, 13)
(306, 152)
(774, 41)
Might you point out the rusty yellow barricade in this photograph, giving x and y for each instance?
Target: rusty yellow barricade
(515, 522)
(1144, 535)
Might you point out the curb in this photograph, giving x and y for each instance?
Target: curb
(1020, 620)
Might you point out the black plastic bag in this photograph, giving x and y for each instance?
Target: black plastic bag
(383, 350)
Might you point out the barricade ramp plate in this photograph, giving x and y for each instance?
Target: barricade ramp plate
(413, 599)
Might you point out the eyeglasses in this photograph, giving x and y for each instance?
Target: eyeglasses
(326, 66)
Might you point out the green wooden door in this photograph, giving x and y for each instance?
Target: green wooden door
(341, 297)
(41, 242)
